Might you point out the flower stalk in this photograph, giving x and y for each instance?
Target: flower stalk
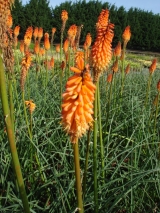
(11, 139)
(78, 177)
(95, 134)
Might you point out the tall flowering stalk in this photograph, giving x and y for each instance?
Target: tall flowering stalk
(72, 32)
(66, 53)
(28, 38)
(36, 51)
(47, 47)
(101, 55)
(110, 78)
(58, 50)
(152, 68)
(117, 50)
(126, 37)
(78, 35)
(8, 58)
(40, 34)
(156, 112)
(21, 47)
(52, 36)
(77, 110)
(15, 43)
(4, 27)
(102, 48)
(35, 34)
(86, 46)
(64, 18)
(16, 33)
(11, 139)
(31, 107)
(25, 65)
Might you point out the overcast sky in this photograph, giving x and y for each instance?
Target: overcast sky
(147, 5)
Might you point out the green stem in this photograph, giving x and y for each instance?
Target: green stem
(11, 139)
(156, 113)
(61, 77)
(100, 132)
(11, 105)
(95, 129)
(148, 89)
(109, 100)
(86, 163)
(78, 177)
(46, 69)
(25, 114)
(122, 71)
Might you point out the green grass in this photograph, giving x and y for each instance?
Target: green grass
(132, 166)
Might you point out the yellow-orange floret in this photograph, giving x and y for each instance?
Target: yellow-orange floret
(31, 105)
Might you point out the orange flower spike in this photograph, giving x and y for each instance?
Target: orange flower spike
(58, 47)
(47, 64)
(85, 46)
(46, 41)
(64, 18)
(16, 31)
(52, 62)
(153, 66)
(40, 34)
(126, 34)
(109, 78)
(35, 33)
(28, 36)
(117, 50)
(26, 61)
(21, 47)
(115, 66)
(64, 15)
(72, 34)
(122, 56)
(88, 40)
(158, 86)
(102, 49)
(53, 30)
(66, 45)
(36, 48)
(77, 105)
(25, 64)
(42, 51)
(127, 69)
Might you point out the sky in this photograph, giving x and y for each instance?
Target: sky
(146, 5)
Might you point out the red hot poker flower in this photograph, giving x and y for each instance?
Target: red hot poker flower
(126, 34)
(77, 106)
(153, 66)
(102, 49)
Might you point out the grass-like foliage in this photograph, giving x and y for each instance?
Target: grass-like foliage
(131, 149)
(72, 144)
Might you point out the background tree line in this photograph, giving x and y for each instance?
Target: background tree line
(145, 26)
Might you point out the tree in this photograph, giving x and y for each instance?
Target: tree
(19, 18)
(38, 14)
(145, 26)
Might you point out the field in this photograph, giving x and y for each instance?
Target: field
(74, 139)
